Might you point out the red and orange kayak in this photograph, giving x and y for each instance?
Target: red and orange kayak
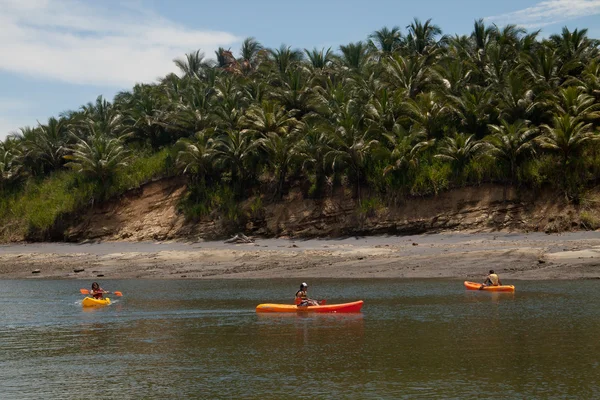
(477, 286)
(354, 306)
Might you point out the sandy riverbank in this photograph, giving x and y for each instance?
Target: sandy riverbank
(464, 256)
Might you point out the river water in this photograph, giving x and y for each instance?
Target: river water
(202, 339)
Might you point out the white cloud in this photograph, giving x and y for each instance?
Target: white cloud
(83, 42)
(548, 12)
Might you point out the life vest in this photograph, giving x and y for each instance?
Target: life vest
(300, 296)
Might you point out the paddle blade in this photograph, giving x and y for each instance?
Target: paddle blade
(118, 294)
(323, 302)
(84, 291)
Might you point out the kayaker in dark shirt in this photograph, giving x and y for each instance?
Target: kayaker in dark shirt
(302, 298)
(492, 279)
(97, 292)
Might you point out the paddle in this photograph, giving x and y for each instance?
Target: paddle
(86, 291)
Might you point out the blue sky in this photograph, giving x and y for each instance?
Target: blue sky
(59, 54)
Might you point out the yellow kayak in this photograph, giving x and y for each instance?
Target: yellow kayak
(91, 302)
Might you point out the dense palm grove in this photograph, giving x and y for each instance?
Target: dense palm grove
(403, 113)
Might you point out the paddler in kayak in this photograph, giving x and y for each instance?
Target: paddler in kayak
(491, 280)
(302, 298)
(97, 292)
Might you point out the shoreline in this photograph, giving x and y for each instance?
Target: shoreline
(468, 256)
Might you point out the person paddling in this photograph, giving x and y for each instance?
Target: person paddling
(97, 292)
(302, 298)
(491, 280)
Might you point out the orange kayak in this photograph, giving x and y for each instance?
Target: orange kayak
(501, 288)
(354, 306)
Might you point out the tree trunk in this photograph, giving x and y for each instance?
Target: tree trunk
(358, 185)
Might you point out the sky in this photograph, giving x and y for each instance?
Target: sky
(56, 55)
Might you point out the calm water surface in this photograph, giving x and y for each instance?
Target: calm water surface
(202, 339)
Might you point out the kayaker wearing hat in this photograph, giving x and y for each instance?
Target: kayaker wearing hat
(491, 280)
(97, 292)
(302, 298)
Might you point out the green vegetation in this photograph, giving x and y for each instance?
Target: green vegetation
(403, 113)
(35, 207)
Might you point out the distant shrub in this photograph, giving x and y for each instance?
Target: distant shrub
(431, 179)
(368, 207)
(589, 220)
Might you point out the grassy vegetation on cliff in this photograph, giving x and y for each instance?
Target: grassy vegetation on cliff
(33, 209)
(402, 113)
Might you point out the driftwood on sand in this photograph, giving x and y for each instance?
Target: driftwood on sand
(240, 238)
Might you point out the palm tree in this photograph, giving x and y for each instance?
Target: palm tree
(233, 152)
(430, 113)
(282, 150)
(104, 115)
(295, 94)
(193, 66)
(422, 37)
(574, 101)
(386, 40)
(230, 104)
(314, 141)
(354, 56)
(483, 35)
(285, 58)
(99, 157)
(517, 99)
(589, 80)
(475, 110)
(574, 47)
(226, 60)
(460, 150)
(568, 137)
(191, 113)
(146, 117)
(512, 144)
(455, 75)
(384, 109)
(319, 59)
(194, 156)
(351, 144)
(11, 167)
(404, 151)
(250, 55)
(268, 117)
(545, 69)
(44, 146)
(410, 74)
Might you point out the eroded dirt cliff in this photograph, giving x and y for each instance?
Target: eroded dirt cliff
(150, 213)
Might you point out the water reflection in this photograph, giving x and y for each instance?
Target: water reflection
(495, 297)
(324, 328)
